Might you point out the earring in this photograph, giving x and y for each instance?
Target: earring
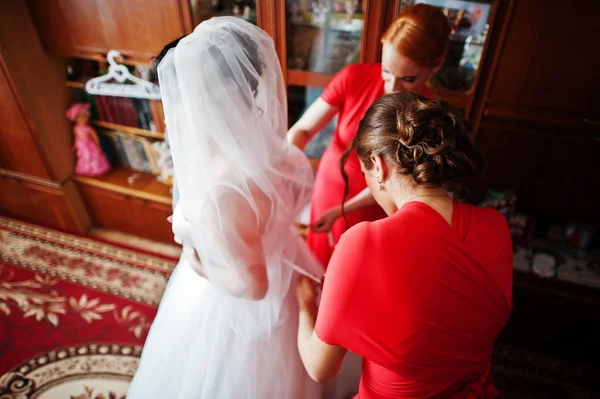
(380, 181)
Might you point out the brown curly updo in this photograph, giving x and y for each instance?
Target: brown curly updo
(428, 140)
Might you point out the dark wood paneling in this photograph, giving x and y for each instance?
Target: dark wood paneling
(59, 207)
(537, 116)
(38, 81)
(373, 30)
(137, 28)
(552, 173)
(18, 149)
(68, 27)
(128, 214)
(549, 63)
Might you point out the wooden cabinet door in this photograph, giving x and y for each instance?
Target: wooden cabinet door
(131, 215)
(69, 27)
(554, 174)
(140, 28)
(86, 29)
(52, 205)
(18, 148)
(473, 23)
(549, 62)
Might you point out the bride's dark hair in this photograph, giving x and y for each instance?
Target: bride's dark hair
(156, 60)
(249, 47)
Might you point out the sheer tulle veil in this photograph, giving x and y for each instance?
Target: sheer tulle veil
(226, 112)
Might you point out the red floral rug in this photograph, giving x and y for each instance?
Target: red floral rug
(74, 312)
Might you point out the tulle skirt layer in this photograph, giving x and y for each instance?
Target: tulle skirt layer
(192, 353)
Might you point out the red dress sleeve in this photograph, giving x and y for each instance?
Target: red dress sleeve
(335, 92)
(340, 309)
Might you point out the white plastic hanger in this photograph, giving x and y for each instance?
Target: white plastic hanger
(139, 89)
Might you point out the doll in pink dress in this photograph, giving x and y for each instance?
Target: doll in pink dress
(91, 161)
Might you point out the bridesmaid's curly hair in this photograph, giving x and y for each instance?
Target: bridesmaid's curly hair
(428, 140)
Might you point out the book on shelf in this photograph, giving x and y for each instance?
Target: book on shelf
(158, 115)
(152, 156)
(120, 153)
(132, 112)
(135, 152)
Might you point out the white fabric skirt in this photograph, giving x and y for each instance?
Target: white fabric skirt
(191, 352)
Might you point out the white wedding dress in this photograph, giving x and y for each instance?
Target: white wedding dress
(225, 109)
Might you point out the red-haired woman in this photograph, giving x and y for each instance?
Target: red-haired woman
(422, 294)
(413, 50)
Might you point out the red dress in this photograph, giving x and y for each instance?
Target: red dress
(91, 160)
(353, 91)
(421, 301)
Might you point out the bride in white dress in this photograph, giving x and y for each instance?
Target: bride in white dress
(227, 324)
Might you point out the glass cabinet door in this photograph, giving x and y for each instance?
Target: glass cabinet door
(470, 21)
(206, 9)
(322, 37)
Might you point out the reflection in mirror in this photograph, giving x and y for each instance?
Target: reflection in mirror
(470, 25)
(324, 36)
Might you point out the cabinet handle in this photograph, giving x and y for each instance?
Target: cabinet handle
(591, 121)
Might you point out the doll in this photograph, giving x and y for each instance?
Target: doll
(91, 161)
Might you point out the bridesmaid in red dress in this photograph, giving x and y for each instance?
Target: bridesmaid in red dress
(422, 294)
(413, 50)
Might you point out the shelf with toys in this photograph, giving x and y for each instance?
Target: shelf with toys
(123, 169)
(131, 126)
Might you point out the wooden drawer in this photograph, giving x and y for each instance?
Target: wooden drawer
(59, 207)
(129, 214)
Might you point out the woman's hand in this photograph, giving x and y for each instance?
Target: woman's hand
(314, 119)
(191, 256)
(322, 361)
(175, 238)
(324, 223)
(306, 292)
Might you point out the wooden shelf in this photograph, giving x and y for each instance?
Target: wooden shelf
(129, 129)
(306, 78)
(134, 60)
(143, 185)
(75, 85)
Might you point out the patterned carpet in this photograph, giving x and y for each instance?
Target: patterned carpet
(74, 313)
